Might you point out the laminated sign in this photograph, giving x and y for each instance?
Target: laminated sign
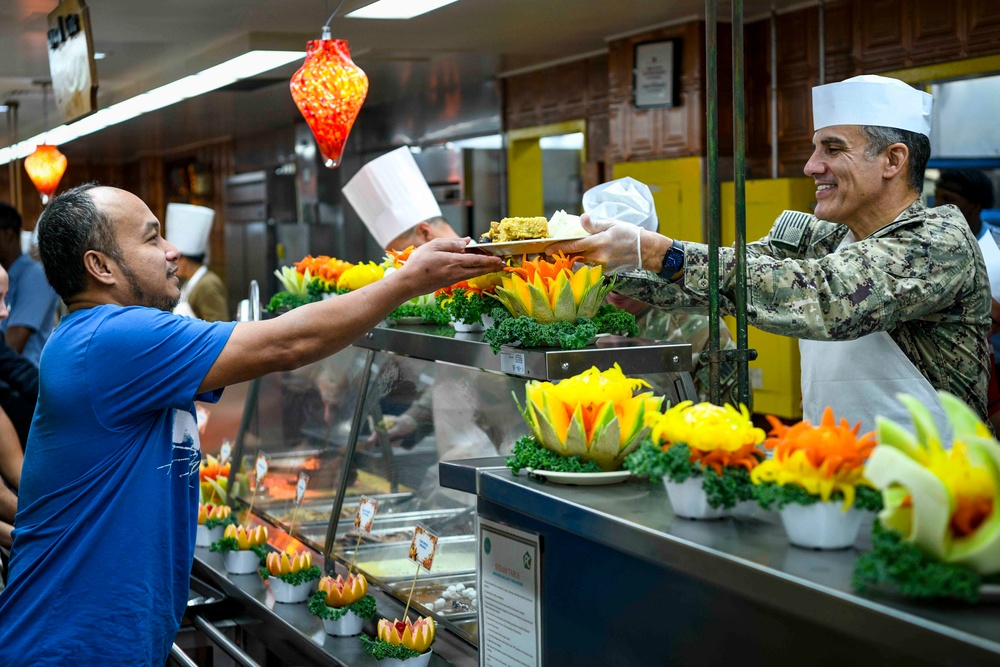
(365, 515)
(423, 546)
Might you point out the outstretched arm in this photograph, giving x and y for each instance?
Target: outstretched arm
(317, 330)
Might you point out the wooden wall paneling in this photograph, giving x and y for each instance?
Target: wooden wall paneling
(839, 42)
(982, 26)
(882, 30)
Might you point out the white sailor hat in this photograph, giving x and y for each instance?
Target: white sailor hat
(872, 100)
(188, 228)
(391, 196)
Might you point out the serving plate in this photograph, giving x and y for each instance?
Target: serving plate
(525, 247)
(582, 478)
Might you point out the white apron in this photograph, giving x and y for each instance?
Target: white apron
(860, 379)
(183, 307)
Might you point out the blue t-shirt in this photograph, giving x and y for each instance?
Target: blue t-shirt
(107, 507)
(32, 303)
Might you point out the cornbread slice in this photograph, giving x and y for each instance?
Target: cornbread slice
(517, 229)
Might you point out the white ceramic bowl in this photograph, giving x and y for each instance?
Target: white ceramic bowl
(821, 525)
(418, 661)
(288, 593)
(205, 536)
(241, 562)
(689, 500)
(348, 625)
(462, 327)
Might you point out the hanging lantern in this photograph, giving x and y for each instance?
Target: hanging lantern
(329, 90)
(45, 168)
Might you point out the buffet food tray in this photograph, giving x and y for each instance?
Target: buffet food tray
(318, 512)
(388, 526)
(389, 563)
(432, 588)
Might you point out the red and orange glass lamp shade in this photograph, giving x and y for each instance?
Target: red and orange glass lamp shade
(329, 90)
(45, 168)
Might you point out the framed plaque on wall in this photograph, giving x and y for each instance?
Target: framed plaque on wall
(656, 76)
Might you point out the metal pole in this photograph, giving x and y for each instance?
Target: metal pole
(774, 93)
(714, 212)
(739, 183)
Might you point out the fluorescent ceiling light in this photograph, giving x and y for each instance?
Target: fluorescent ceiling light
(562, 142)
(397, 9)
(241, 67)
(489, 141)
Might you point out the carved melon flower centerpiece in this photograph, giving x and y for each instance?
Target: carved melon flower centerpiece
(343, 604)
(243, 549)
(587, 423)
(939, 534)
(290, 574)
(548, 303)
(704, 454)
(467, 302)
(816, 479)
(212, 521)
(307, 281)
(402, 642)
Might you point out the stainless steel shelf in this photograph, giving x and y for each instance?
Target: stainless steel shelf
(635, 356)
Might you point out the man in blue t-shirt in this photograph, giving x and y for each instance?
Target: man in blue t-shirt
(104, 533)
(31, 300)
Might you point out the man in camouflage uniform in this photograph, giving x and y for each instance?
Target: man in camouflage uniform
(873, 267)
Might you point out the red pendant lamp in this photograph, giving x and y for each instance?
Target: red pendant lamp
(45, 168)
(46, 165)
(329, 90)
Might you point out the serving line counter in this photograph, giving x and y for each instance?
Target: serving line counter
(375, 420)
(625, 582)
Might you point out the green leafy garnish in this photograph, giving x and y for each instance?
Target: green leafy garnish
(899, 565)
(427, 313)
(674, 463)
(293, 578)
(380, 650)
(464, 307)
(771, 495)
(289, 301)
(214, 523)
(261, 550)
(529, 454)
(365, 607)
(528, 332)
(225, 544)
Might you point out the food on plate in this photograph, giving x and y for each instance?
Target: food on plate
(517, 229)
(939, 534)
(562, 225)
(592, 418)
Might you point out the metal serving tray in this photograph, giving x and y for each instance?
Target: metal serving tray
(401, 589)
(388, 563)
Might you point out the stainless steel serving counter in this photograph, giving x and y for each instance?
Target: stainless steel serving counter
(627, 582)
(291, 634)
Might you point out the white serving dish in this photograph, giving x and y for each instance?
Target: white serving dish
(241, 562)
(821, 525)
(689, 500)
(418, 661)
(348, 625)
(205, 536)
(289, 593)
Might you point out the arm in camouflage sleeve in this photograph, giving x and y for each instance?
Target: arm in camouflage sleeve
(918, 265)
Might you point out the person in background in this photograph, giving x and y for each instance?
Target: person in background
(11, 453)
(885, 295)
(31, 301)
(108, 495)
(393, 200)
(18, 378)
(971, 191)
(203, 295)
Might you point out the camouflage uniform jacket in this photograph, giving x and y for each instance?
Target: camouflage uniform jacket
(692, 328)
(921, 278)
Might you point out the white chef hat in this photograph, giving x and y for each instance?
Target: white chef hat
(391, 196)
(872, 100)
(624, 200)
(188, 228)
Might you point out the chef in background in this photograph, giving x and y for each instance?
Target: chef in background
(203, 295)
